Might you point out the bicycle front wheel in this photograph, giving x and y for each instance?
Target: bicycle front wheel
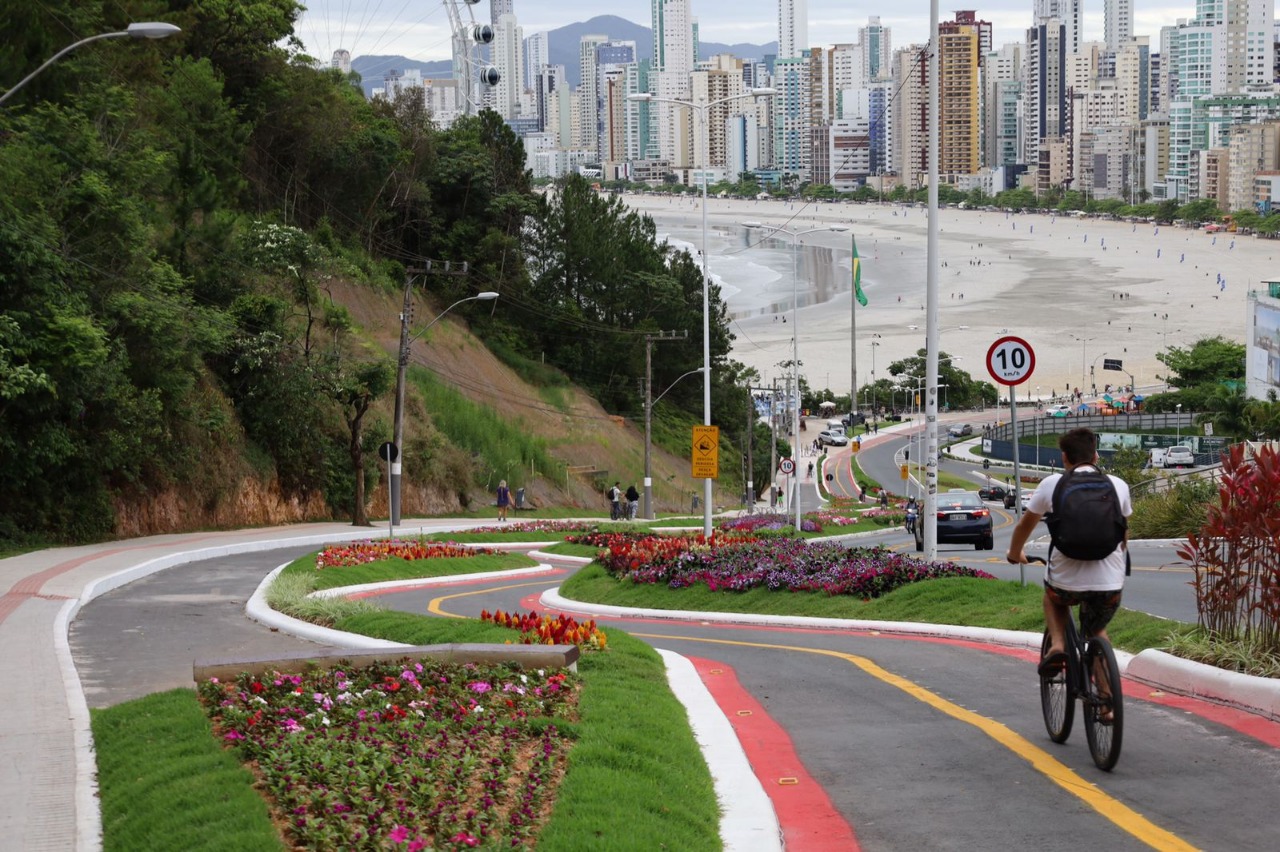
(1056, 700)
(1103, 704)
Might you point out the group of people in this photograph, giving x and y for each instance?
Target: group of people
(623, 506)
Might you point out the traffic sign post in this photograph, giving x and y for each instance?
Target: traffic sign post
(389, 452)
(1011, 361)
(786, 467)
(705, 455)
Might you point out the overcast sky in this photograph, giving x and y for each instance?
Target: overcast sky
(419, 29)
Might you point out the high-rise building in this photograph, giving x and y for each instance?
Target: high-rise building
(1045, 95)
(877, 50)
(793, 28)
(720, 79)
(792, 116)
(537, 52)
(673, 59)
(1117, 23)
(1067, 13)
(1002, 78)
(341, 60)
(910, 116)
(612, 59)
(588, 95)
(960, 94)
(508, 58)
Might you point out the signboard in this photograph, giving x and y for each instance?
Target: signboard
(706, 452)
(388, 452)
(903, 472)
(786, 466)
(1112, 364)
(1208, 428)
(1010, 361)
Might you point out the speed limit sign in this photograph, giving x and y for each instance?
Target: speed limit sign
(1010, 361)
(787, 466)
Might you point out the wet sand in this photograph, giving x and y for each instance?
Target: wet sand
(1075, 289)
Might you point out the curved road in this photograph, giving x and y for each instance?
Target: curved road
(918, 743)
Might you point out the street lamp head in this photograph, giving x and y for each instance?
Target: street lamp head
(486, 296)
(753, 224)
(152, 29)
(764, 91)
(838, 228)
(640, 96)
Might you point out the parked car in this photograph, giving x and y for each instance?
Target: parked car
(831, 438)
(962, 518)
(959, 430)
(1159, 455)
(1059, 410)
(1179, 457)
(992, 492)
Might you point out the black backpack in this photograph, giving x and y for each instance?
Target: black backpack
(1086, 521)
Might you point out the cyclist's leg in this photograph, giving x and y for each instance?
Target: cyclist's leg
(1096, 612)
(1055, 620)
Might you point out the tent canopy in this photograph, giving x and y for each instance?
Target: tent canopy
(826, 405)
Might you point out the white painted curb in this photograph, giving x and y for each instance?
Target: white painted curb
(343, 591)
(748, 822)
(1259, 695)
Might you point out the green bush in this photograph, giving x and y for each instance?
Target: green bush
(1174, 513)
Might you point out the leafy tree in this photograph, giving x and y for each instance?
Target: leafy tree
(1210, 360)
(1228, 411)
(962, 390)
(355, 388)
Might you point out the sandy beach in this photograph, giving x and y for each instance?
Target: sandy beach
(1075, 289)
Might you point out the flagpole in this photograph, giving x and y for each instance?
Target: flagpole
(853, 337)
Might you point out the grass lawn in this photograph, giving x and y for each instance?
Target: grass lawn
(403, 569)
(962, 601)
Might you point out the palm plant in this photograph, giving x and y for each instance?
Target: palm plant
(1227, 412)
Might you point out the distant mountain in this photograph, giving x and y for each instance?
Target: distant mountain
(563, 49)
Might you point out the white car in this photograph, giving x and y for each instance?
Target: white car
(1059, 410)
(832, 438)
(1179, 457)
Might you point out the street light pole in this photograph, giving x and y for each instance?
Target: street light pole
(149, 29)
(795, 341)
(701, 109)
(1084, 345)
(406, 340)
(648, 439)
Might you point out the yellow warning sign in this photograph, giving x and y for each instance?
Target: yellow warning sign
(706, 452)
(903, 471)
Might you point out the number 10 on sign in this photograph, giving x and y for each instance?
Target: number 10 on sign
(1010, 361)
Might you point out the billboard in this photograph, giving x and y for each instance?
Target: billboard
(1262, 358)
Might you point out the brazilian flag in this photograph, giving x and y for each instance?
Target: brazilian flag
(857, 275)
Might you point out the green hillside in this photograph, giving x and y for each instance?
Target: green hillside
(204, 245)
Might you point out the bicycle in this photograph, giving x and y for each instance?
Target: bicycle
(1091, 663)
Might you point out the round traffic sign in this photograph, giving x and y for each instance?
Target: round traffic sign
(787, 466)
(388, 452)
(1010, 361)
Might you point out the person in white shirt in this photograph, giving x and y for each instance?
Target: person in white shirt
(1094, 585)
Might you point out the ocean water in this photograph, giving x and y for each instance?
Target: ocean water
(755, 272)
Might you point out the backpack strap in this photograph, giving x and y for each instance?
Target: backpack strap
(1055, 500)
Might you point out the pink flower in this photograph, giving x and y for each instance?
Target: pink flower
(465, 838)
(399, 834)
(479, 686)
(233, 735)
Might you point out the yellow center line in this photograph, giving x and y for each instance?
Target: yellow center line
(434, 606)
(1114, 810)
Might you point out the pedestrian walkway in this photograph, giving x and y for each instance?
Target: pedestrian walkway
(47, 787)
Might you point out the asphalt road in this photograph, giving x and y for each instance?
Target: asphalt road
(920, 744)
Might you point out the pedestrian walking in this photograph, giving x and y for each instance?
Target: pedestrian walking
(504, 500)
(633, 501)
(615, 502)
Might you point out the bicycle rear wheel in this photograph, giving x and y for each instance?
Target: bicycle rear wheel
(1103, 698)
(1056, 700)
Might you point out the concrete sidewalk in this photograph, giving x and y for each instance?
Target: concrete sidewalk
(47, 771)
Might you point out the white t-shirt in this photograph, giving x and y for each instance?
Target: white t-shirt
(1082, 575)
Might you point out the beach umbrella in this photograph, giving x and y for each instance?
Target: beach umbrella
(827, 406)
(1138, 398)
(1084, 407)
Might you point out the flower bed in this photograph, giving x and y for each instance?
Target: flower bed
(364, 552)
(771, 522)
(410, 755)
(535, 526)
(774, 564)
(547, 630)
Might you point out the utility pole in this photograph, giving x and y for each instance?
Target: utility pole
(773, 440)
(649, 340)
(402, 362)
(751, 428)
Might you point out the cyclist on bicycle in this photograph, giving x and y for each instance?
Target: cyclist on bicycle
(1094, 585)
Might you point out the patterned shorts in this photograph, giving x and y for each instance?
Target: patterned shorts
(1097, 608)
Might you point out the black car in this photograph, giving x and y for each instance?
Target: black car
(962, 518)
(993, 492)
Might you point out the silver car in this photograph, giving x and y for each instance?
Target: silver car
(832, 438)
(1179, 457)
